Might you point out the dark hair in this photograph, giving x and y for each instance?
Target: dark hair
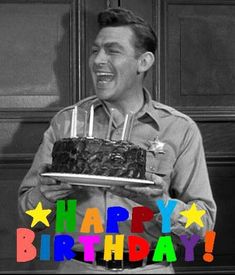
(146, 39)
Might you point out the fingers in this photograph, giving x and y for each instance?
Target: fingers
(45, 167)
(47, 181)
(53, 196)
(156, 179)
(55, 192)
(159, 182)
(56, 187)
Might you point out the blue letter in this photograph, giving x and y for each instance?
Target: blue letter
(166, 214)
(63, 248)
(45, 248)
(115, 214)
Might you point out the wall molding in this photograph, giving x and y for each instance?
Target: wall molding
(31, 115)
(72, 66)
(198, 114)
(222, 159)
(26, 159)
(13, 159)
(208, 114)
(202, 113)
(200, 2)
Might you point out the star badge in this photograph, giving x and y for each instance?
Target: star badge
(156, 146)
(39, 215)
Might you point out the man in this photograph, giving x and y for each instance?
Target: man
(121, 55)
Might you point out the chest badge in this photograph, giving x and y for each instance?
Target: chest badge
(156, 146)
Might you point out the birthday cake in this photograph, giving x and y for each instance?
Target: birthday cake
(94, 156)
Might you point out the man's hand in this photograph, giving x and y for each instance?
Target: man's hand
(146, 195)
(52, 189)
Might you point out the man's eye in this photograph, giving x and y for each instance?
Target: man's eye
(94, 51)
(113, 51)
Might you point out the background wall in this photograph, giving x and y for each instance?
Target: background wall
(44, 51)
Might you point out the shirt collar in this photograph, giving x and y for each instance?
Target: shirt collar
(99, 103)
(148, 107)
(96, 102)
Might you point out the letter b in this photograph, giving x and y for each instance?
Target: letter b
(25, 250)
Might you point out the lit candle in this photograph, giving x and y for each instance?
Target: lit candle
(110, 124)
(75, 121)
(124, 128)
(91, 121)
(132, 117)
(72, 125)
(73, 130)
(85, 124)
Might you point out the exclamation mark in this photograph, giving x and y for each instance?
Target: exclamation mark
(209, 244)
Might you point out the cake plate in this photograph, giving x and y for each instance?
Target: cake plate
(94, 180)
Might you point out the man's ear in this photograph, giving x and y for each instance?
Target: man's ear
(145, 62)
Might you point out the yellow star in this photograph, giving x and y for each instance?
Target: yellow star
(193, 215)
(39, 215)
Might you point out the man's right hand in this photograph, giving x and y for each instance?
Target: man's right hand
(52, 189)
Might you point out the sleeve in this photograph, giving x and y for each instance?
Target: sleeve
(29, 194)
(190, 184)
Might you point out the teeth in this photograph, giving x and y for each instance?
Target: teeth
(104, 77)
(104, 74)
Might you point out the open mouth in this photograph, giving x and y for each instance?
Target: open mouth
(104, 77)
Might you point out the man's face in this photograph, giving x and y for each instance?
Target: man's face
(113, 63)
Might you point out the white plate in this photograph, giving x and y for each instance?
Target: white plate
(94, 180)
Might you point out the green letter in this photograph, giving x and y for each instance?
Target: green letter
(164, 246)
(65, 216)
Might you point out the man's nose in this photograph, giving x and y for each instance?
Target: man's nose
(101, 57)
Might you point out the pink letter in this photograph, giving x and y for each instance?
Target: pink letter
(88, 242)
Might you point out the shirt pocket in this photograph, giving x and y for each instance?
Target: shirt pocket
(159, 164)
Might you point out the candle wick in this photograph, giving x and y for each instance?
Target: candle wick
(110, 124)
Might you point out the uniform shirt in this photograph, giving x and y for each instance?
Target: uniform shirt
(182, 166)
